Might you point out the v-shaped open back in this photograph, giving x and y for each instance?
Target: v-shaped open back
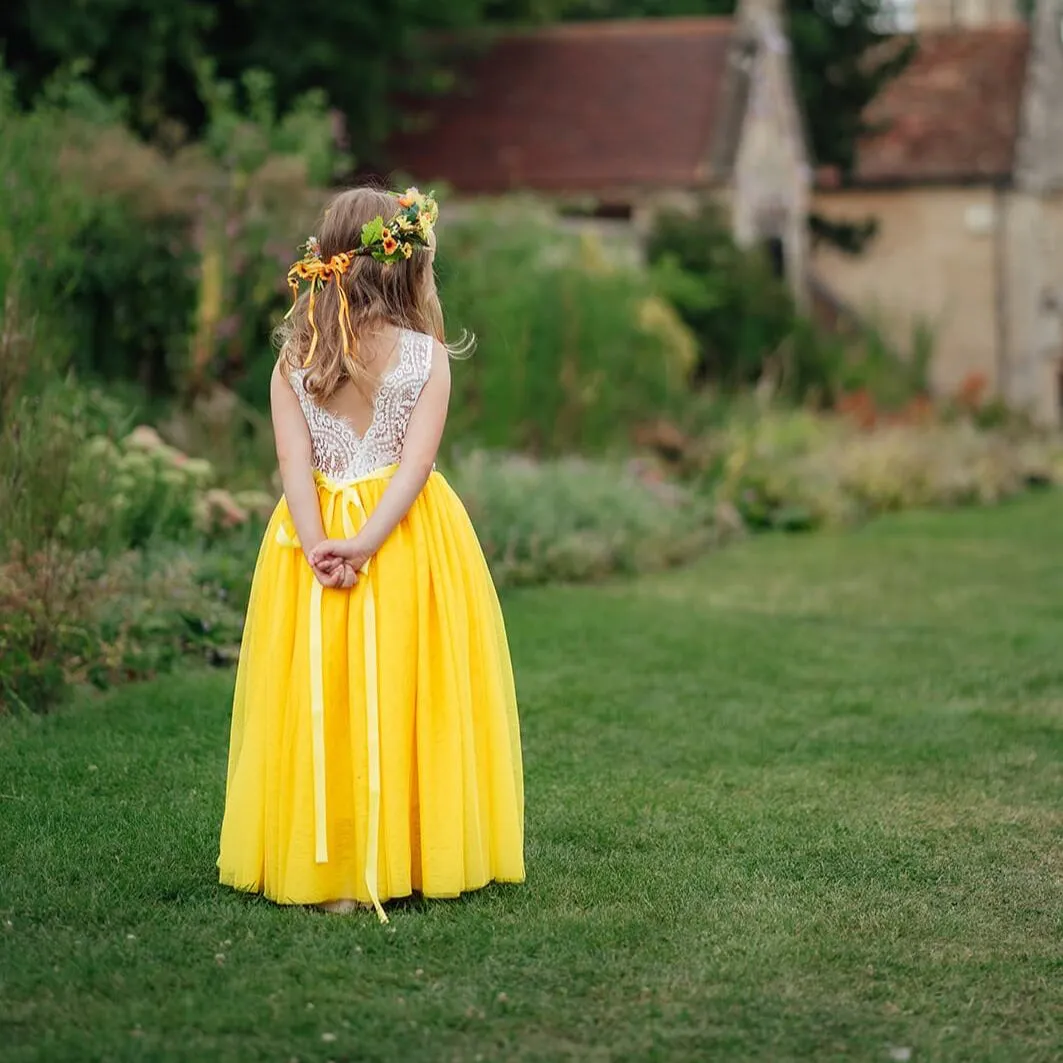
(339, 451)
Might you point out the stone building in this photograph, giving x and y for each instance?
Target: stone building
(965, 178)
(625, 117)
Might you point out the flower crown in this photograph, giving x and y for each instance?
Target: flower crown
(388, 243)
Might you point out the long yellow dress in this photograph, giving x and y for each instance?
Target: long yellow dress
(375, 748)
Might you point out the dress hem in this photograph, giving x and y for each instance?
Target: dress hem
(293, 902)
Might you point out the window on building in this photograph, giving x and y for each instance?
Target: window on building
(604, 210)
(898, 16)
(776, 252)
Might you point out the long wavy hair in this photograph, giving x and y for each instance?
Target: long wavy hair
(402, 294)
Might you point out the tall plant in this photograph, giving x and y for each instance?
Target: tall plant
(572, 350)
(267, 171)
(39, 218)
(739, 311)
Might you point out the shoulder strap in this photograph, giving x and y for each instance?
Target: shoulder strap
(421, 352)
(297, 379)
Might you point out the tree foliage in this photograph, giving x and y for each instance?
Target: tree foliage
(155, 53)
(841, 63)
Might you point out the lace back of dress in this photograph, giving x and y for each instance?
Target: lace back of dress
(338, 450)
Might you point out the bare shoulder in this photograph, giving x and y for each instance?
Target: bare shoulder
(281, 390)
(440, 365)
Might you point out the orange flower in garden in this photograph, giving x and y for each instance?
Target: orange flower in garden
(972, 390)
(919, 410)
(859, 407)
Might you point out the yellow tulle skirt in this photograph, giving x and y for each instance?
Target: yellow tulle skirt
(375, 749)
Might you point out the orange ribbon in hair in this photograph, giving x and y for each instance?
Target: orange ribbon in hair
(318, 273)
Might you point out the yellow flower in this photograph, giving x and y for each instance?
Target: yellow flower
(407, 249)
(409, 197)
(389, 243)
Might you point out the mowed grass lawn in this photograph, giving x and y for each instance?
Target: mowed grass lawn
(802, 801)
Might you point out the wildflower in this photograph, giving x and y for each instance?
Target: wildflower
(199, 470)
(389, 243)
(100, 447)
(144, 437)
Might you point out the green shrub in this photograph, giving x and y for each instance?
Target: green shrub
(225, 567)
(46, 602)
(50, 489)
(575, 520)
(69, 617)
(155, 490)
(40, 218)
(572, 349)
(796, 470)
(741, 314)
(72, 474)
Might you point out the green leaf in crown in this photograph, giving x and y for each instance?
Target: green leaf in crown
(410, 227)
(372, 232)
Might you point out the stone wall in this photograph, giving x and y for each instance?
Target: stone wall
(983, 267)
(934, 261)
(1033, 296)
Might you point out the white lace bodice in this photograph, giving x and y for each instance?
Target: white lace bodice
(338, 450)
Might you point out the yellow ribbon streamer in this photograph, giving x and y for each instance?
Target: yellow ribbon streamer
(346, 496)
(318, 273)
(317, 723)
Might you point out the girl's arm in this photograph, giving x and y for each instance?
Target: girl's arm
(419, 449)
(292, 437)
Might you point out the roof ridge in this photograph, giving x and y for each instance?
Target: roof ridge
(619, 27)
(1017, 28)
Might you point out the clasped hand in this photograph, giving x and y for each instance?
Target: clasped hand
(337, 562)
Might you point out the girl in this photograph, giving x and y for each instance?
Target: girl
(374, 749)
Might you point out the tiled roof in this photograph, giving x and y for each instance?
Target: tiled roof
(577, 107)
(953, 113)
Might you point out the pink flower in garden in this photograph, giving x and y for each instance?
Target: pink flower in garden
(145, 437)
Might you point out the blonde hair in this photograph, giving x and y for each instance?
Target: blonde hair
(400, 293)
